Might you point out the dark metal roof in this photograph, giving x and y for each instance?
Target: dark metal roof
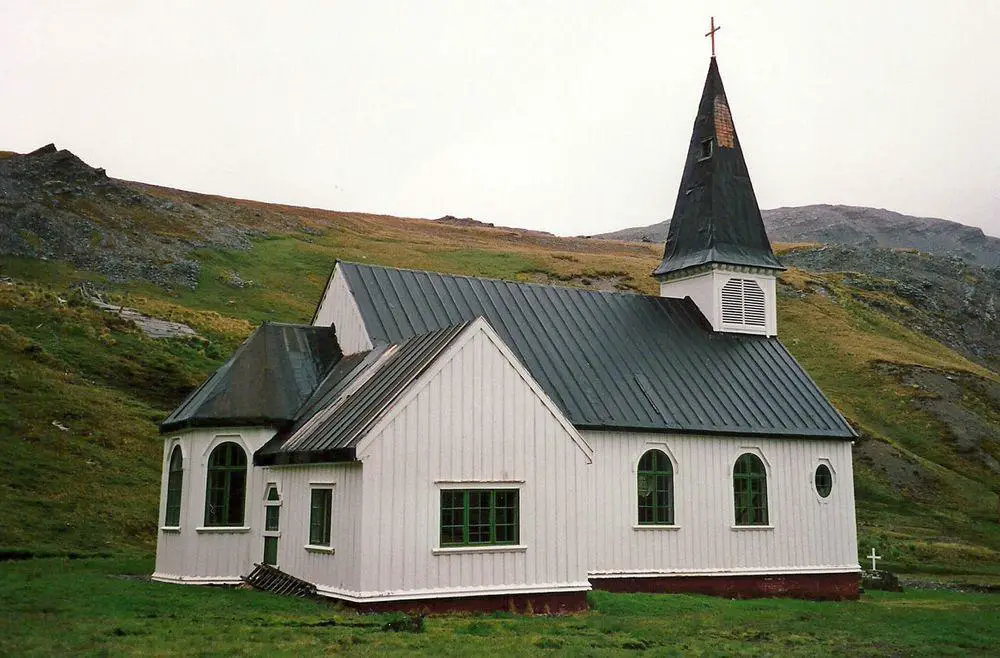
(611, 360)
(334, 421)
(716, 218)
(264, 382)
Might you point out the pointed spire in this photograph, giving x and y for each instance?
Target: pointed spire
(716, 218)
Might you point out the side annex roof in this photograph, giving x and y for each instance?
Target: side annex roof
(264, 382)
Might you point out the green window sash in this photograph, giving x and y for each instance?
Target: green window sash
(320, 512)
(479, 517)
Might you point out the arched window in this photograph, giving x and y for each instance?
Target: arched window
(750, 490)
(227, 486)
(175, 482)
(655, 485)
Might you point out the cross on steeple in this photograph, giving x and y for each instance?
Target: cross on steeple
(711, 33)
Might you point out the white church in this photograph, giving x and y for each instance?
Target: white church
(441, 442)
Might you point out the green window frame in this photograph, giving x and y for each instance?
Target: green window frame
(175, 484)
(272, 509)
(750, 490)
(320, 514)
(655, 489)
(226, 490)
(824, 480)
(480, 517)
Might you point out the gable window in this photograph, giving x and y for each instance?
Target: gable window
(227, 486)
(743, 303)
(750, 490)
(655, 487)
(824, 480)
(475, 517)
(175, 482)
(320, 513)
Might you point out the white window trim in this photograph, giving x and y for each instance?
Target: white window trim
(216, 441)
(222, 529)
(488, 548)
(665, 449)
(638, 526)
(271, 503)
(755, 450)
(175, 443)
(833, 480)
(479, 484)
(741, 528)
(462, 485)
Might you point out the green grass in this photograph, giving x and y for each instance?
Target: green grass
(99, 607)
(81, 392)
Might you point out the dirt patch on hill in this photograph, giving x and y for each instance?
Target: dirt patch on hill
(964, 404)
(902, 473)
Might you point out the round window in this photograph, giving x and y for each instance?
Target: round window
(824, 480)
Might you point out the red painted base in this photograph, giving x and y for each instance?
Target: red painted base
(817, 586)
(544, 603)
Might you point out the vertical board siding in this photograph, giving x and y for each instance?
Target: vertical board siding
(701, 290)
(338, 569)
(210, 556)
(809, 532)
(338, 309)
(473, 419)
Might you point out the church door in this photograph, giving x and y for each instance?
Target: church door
(272, 520)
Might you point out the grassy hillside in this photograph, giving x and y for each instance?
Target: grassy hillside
(923, 498)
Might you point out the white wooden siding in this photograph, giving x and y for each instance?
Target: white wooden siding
(474, 419)
(705, 290)
(337, 570)
(806, 534)
(700, 288)
(339, 309)
(192, 553)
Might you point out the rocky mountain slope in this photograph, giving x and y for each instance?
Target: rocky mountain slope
(860, 227)
(893, 339)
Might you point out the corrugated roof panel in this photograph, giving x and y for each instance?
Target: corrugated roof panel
(347, 418)
(264, 382)
(586, 349)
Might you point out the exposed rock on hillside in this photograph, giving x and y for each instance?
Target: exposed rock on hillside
(948, 299)
(854, 226)
(54, 205)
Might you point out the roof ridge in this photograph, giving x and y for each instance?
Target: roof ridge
(519, 283)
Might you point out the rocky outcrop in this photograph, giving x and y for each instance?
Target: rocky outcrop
(946, 298)
(53, 205)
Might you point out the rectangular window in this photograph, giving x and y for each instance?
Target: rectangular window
(478, 517)
(320, 511)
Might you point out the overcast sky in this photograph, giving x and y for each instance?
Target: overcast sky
(571, 117)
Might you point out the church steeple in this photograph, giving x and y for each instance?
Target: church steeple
(717, 251)
(716, 219)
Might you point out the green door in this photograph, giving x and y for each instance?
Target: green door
(272, 520)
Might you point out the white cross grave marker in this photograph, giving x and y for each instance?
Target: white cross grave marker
(873, 558)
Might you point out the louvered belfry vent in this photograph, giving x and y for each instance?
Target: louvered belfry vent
(743, 303)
